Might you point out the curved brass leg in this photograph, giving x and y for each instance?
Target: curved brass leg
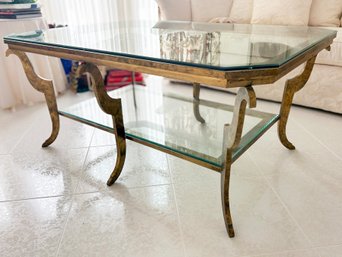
(292, 86)
(113, 107)
(44, 86)
(225, 181)
(196, 101)
(232, 138)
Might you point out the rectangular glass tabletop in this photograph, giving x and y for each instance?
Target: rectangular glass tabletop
(221, 47)
(168, 122)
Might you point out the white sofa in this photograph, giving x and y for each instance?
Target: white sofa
(324, 88)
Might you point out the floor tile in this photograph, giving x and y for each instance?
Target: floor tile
(32, 228)
(308, 181)
(126, 222)
(69, 98)
(14, 125)
(71, 135)
(300, 253)
(278, 205)
(332, 251)
(324, 126)
(102, 138)
(183, 171)
(261, 223)
(315, 204)
(143, 167)
(50, 172)
(310, 156)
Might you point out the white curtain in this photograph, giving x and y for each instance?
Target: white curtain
(98, 20)
(74, 12)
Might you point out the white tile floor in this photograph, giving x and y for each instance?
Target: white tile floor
(54, 201)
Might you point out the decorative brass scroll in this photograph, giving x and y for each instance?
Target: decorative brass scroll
(232, 138)
(292, 86)
(44, 86)
(112, 107)
(196, 102)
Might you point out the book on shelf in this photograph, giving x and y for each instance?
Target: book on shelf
(18, 6)
(20, 16)
(19, 11)
(15, 13)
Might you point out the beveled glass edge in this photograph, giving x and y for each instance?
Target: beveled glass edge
(27, 43)
(205, 158)
(12, 39)
(267, 120)
(249, 139)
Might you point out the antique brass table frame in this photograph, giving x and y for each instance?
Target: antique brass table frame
(244, 79)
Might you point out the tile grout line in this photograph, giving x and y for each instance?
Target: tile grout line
(51, 196)
(177, 209)
(84, 162)
(329, 150)
(72, 200)
(33, 198)
(283, 203)
(57, 196)
(281, 252)
(130, 188)
(320, 142)
(327, 246)
(104, 145)
(23, 136)
(64, 226)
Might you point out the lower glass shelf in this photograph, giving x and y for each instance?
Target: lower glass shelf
(168, 123)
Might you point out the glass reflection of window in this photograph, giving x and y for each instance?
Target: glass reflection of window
(191, 46)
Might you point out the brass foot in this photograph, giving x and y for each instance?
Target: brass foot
(292, 86)
(231, 140)
(112, 107)
(44, 86)
(196, 102)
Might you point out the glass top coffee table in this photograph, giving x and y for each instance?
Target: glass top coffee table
(207, 133)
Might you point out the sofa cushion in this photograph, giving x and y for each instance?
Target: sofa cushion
(323, 90)
(280, 12)
(334, 56)
(175, 9)
(241, 11)
(325, 13)
(206, 10)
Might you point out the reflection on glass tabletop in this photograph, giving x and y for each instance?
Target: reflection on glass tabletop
(214, 46)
